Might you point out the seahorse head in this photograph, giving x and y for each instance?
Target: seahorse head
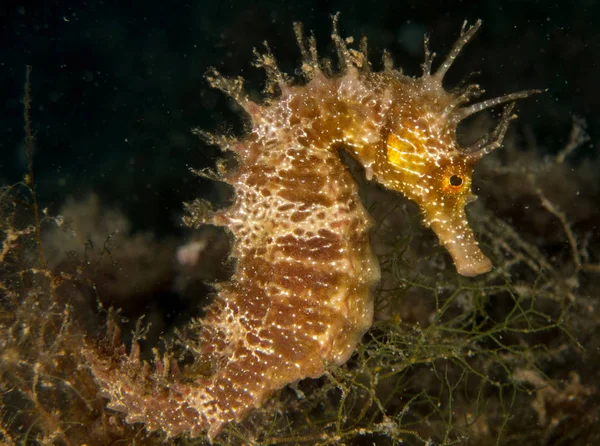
(422, 159)
(429, 168)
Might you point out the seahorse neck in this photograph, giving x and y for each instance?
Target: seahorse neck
(349, 111)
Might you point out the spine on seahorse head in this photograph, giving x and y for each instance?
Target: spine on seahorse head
(301, 296)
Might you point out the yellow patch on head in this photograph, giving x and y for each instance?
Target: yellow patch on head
(394, 149)
(399, 149)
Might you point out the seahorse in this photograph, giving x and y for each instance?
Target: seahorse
(302, 293)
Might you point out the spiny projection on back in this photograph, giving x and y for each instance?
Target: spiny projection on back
(301, 296)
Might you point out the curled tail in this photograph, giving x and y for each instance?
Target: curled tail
(257, 343)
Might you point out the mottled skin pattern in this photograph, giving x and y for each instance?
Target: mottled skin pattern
(302, 293)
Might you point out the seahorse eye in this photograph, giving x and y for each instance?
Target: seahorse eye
(455, 180)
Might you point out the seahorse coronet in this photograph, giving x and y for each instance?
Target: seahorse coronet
(301, 296)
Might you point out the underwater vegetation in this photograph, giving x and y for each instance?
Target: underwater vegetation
(503, 357)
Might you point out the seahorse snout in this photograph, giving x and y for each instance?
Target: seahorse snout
(456, 235)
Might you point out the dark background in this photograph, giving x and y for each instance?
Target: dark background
(117, 86)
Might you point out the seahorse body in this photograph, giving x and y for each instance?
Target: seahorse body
(301, 296)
